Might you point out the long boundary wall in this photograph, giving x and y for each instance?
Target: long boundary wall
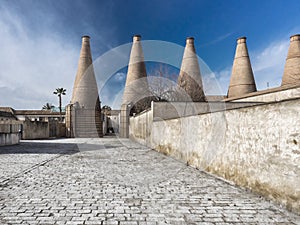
(257, 147)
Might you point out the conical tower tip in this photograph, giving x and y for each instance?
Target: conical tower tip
(295, 37)
(137, 37)
(241, 40)
(190, 40)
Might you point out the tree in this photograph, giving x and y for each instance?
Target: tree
(47, 106)
(192, 90)
(106, 109)
(162, 84)
(166, 86)
(159, 86)
(59, 92)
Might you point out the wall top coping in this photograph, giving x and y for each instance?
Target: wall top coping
(263, 92)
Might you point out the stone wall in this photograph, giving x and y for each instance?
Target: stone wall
(35, 130)
(257, 147)
(57, 129)
(270, 95)
(9, 133)
(9, 139)
(141, 127)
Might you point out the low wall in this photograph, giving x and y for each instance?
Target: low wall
(140, 128)
(57, 129)
(9, 133)
(270, 95)
(165, 110)
(35, 130)
(257, 147)
(9, 139)
(43, 130)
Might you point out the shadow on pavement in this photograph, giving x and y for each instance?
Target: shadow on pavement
(36, 147)
(40, 148)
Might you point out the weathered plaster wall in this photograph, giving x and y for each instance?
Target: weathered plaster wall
(270, 95)
(165, 110)
(9, 139)
(35, 130)
(141, 127)
(257, 147)
(9, 133)
(57, 129)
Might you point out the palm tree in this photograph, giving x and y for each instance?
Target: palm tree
(59, 92)
(106, 109)
(47, 106)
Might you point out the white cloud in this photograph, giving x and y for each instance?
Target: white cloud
(268, 64)
(218, 39)
(217, 83)
(119, 77)
(111, 96)
(33, 64)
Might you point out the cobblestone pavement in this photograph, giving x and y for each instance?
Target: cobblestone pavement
(116, 181)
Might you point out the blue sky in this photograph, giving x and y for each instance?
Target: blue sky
(40, 39)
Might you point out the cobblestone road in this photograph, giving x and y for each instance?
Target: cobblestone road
(116, 181)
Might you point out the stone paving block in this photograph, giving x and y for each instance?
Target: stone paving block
(122, 183)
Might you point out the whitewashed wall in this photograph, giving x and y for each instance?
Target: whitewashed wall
(270, 95)
(9, 132)
(257, 147)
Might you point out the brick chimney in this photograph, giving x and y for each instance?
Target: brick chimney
(291, 74)
(242, 80)
(190, 77)
(85, 97)
(136, 87)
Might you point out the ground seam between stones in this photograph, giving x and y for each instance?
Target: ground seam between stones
(6, 181)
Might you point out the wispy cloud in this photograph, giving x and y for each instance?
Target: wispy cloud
(217, 83)
(218, 39)
(120, 77)
(40, 44)
(111, 91)
(268, 64)
(32, 65)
